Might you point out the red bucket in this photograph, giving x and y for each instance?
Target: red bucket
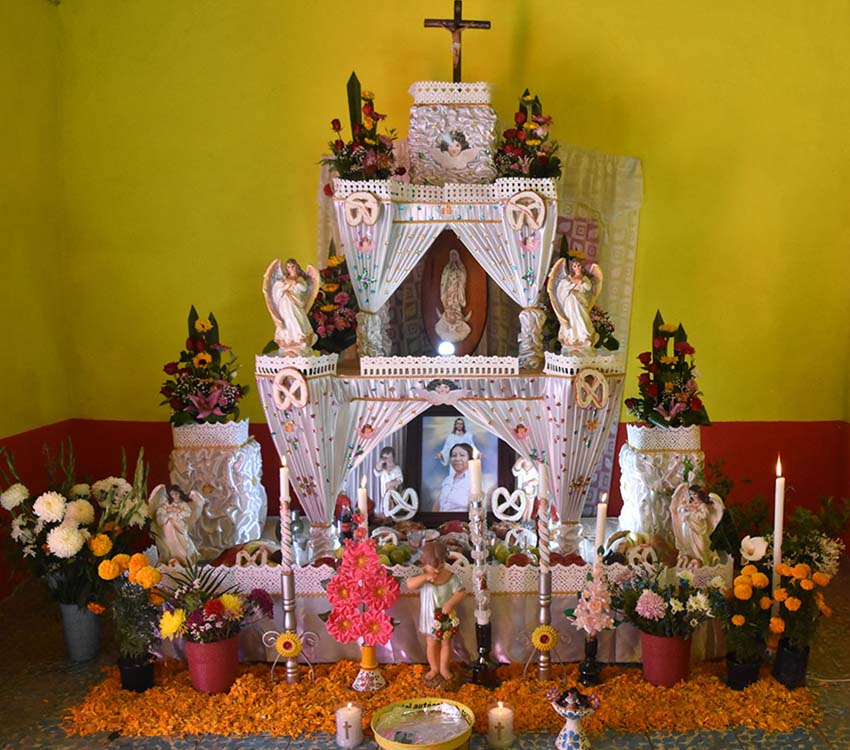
(666, 661)
(213, 666)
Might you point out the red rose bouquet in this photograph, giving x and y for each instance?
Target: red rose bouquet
(526, 150)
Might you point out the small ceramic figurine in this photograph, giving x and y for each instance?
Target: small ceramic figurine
(452, 323)
(440, 592)
(573, 294)
(173, 515)
(572, 706)
(695, 514)
(290, 292)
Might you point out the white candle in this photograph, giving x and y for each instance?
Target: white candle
(349, 730)
(601, 519)
(778, 519)
(543, 486)
(475, 474)
(500, 726)
(286, 553)
(363, 503)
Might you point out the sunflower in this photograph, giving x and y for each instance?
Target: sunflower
(201, 359)
(288, 645)
(336, 260)
(330, 287)
(202, 325)
(544, 638)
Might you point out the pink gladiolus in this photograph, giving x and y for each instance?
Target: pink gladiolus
(344, 625)
(374, 627)
(360, 557)
(380, 591)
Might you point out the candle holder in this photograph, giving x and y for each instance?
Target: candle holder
(482, 669)
(589, 669)
(500, 725)
(349, 725)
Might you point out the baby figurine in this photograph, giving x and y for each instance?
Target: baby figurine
(573, 706)
(441, 591)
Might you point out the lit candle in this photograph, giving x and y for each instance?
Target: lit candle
(349, 729)
(475, 474)
(500, 725)
(286, 553)
(778, 519)
(601, 519)
(363, 503)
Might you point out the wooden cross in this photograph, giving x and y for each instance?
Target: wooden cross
(456, 26)
(346, 727)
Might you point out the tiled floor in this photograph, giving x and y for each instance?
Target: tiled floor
(37, 684)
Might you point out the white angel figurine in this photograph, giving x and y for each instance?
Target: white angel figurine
(173, 515)
(695, 514)
(573, 295)
(290, 292)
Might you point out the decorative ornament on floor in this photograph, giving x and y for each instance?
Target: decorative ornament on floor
(359, 594)
(663, 448)
(573, 706)
(67, 531)
(213, 454)
(288, 645)
(209, 614)
(135, 615)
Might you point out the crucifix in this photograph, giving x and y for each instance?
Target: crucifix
(456, 26)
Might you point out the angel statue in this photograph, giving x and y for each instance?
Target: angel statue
(695, 515)
(173, 515)
(573, 295)
(452, 325)
(290, 293)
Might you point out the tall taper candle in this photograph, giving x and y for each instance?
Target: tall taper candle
(543, 519)
(286, 553)
(778, 519)
(363, 504)
(475, 474)
(601, 519)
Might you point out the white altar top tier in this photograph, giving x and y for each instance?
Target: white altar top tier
(448, 92)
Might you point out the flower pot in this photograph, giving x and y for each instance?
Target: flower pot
(82, 632)
(791, 664)
(213, 666)
(136, 673)
(666, 660)
(741, 674)
(369, 678)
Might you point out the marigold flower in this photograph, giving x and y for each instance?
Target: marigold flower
(172, 624)
(95, 608)
(137, 562)
(743, 580)
(784, 569)
(738, 620)
(792, 603)
(777, 625)
(807, 584)
(544, 638)
(825, 610)
(801, 570)
(148, 577)
(743, 592)
(749, 570)
(122, 561)
(108, 570)
(765, 602)
(100, 545)
(780, 594)
(288, 645)
(760, 580)
(821, 579)
(156, 597)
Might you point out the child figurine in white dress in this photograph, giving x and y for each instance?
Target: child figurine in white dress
(440, 592)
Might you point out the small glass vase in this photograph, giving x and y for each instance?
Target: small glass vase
(590, 669)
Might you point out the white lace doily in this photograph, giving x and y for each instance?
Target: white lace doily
(311, 367)
(570, 365)
(218, 435)
(452, 192)
(446, 92)
(680, 439)
(446, 367)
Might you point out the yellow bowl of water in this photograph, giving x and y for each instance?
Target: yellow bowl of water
(423, 724)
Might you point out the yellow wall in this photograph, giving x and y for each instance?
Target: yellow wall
(191, 132)
(33, 301)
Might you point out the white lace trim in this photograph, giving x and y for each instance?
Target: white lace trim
(453, 192)
(224, 434)
(679, 439)
(309, 366)
(404, 367)
(570, 365)
(446, 92)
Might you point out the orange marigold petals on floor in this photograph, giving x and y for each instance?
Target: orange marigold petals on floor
(254, 705)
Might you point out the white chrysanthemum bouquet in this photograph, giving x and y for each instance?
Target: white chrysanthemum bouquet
(66, 532)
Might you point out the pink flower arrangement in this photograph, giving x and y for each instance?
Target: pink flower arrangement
(651, 605)
(359, 595)
(593, 612)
